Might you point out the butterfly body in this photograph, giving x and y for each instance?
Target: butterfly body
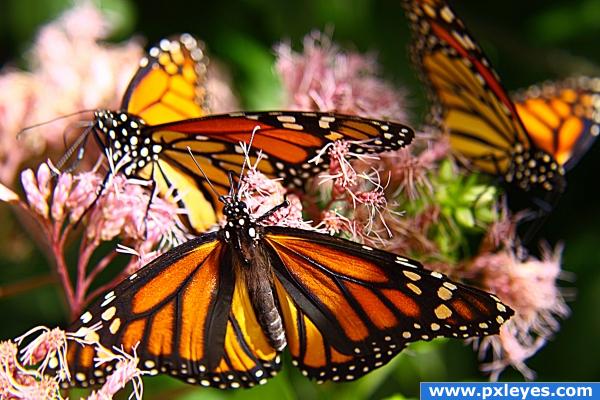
(252, 264)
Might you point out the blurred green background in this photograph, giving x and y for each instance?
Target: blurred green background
(527, 41)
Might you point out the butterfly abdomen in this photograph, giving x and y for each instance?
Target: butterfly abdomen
(263, 302)
(257, 275)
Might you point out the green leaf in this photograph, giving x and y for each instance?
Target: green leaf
(464, 216)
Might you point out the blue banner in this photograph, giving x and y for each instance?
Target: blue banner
(510, 390)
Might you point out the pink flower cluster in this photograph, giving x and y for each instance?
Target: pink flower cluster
(262, 195)
(352, 190)
(116, 208)
(120, 209)
(70, 71)
(324, 78)
(529, 286)
(18, 382)
(126, 370)
(42, 367)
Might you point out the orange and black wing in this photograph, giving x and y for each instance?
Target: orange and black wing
(562, 118)
(469, 100)
(289, 141)
(185, 315)
(170, 82)
(349, 309)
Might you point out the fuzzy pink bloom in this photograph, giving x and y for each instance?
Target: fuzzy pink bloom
(49, 349)
(410, 167)
(35, 198)
(341, 172)
(8, 195)
(82, 194)
(123, 209)
(126, 370)
(262, 194)
(50, 343)
(220, 97)
(354, 188)
(31, 380)
(324, 78)
(530, 288)
(373, 200)
(120, 210)
(16, 382)
(128, 210)
(60, 196)
(334, 223)
(70, 71)
(145, 222)
(510, 348)
(409, 173)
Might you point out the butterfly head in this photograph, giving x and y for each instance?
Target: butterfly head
(240, 230)
(236, 211)
(123, 134)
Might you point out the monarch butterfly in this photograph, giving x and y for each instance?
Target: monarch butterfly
(149, 137)
(218, 310)
(529, 143)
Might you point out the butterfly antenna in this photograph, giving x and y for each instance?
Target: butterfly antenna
(231, 177)
(247, 158)
(30, 127)
(203, 173)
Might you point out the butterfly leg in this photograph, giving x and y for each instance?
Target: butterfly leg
(99, 192)
(273, 210)
(153, 192)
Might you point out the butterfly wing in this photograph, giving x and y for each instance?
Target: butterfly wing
(562, 118)
(349, 309)
(185, 315)
(470, 102)
(288, 142)
(169, 84)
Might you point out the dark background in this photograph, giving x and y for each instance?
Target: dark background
(527, 41)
